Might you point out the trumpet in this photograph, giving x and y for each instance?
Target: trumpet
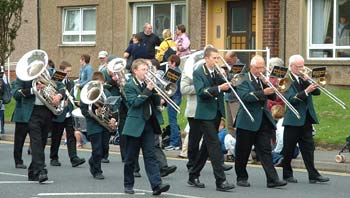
(321, 82)
(219, 70)
(163, 88)
(283, 86)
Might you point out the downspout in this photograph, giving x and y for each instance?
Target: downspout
(284, 29)
(38, 21)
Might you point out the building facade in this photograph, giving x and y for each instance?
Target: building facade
(307, 27)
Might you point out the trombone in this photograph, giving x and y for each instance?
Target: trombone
(169, 89)
(322, 81)
(282, 85)
(232, 89)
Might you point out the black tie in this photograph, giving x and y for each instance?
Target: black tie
(300, 81)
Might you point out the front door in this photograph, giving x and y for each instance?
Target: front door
(241, 27)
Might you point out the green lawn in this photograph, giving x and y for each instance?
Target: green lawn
(334, 124)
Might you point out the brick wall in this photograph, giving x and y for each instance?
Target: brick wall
(271, 26)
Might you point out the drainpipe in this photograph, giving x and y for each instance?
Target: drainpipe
(284, 29)
(38, 21)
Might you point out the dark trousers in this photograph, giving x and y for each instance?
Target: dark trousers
(261, 139)
(194, 138)
(146, 143)
(21, 131)
(160, 156)
(303, 136)
(211, 148)
(106, 147)
(98, 142)
(40, 123)
(56, 138)
(122, 138)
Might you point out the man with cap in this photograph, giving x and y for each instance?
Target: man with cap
(103, 57)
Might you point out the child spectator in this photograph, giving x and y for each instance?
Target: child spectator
(228, 142)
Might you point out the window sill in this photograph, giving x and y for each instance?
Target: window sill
(77, 45)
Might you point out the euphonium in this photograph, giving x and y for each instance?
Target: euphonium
(92, 95)
(32, 66)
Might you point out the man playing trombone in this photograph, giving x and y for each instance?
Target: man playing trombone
(300, 130)
(209, 86)
(254, 93)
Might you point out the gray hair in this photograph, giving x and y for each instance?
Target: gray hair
(294, 58)
(275, 61)
(254, 59)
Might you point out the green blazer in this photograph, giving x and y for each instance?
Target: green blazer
(301, 102)
(209, 100)
(60, 118)
(24, 101)
(135, 99)
(254, 99)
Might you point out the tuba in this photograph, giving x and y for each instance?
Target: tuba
(100, 107)
(32, 66)
(117, 67)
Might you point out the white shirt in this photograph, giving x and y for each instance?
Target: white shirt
(279, 136)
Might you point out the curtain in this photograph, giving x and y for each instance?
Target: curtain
(89, 20)
(321, 14)
(143, 16)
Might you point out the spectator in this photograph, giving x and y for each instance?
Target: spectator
(275, 61)
(86, 71)
(184, 149)
(51, 66)
(81, 138)
(343, 36)
(151, 40)
(182, 41)
(135, 50)
(167, 47)
(228, 142)
(102, 57)
(3, 86)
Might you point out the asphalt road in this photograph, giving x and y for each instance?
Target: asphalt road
(69, 182)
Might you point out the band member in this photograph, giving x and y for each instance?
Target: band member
(39, 119)
(98, 135)
(258, 133)
(209, 88)
(65, 121)
(142, 122)
(300, 130)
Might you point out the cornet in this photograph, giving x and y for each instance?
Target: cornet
(321, 82)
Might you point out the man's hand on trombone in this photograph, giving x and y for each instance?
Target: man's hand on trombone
(224, 86)
(269, 91)
(311, 88)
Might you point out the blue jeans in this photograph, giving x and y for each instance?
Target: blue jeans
(2, 120)
(175, 135)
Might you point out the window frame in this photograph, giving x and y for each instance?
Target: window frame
(80, 32)
(173, 4)
(332, 46)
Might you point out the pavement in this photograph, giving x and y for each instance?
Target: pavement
(324, 159)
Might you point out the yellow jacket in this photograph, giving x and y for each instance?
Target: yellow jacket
(168, 42)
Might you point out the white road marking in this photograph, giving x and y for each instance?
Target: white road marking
(86, 193)
(12, 174)
(24, 182)
(171, 194)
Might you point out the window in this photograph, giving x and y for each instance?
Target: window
(79, 26)
(161, 15)
(329, 30)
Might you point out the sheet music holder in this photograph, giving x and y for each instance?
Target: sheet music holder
(279, 71)
(172, 75)
(319, 72)
(58, 76)
(237, 68)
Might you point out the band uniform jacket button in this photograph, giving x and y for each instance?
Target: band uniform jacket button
(216, 98)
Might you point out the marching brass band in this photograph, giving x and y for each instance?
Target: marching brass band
(116, 100)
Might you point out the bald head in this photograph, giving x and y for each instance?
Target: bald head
(257, 65)
(231, 58)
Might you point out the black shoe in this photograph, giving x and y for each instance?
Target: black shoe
(319, 179)
(290, 180)
(243, 183)
(277, 183)
(99, 176)
(161, 188)
(137, 174)
(227, 167)
(105, 160)
(55, 162)
(167, 170)
(230, 158)
(224, 186)
(77, 161)
(21, 166)
(129, 190)
(91, 168)
(32, 177)
(42, 176)
(195, 183)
